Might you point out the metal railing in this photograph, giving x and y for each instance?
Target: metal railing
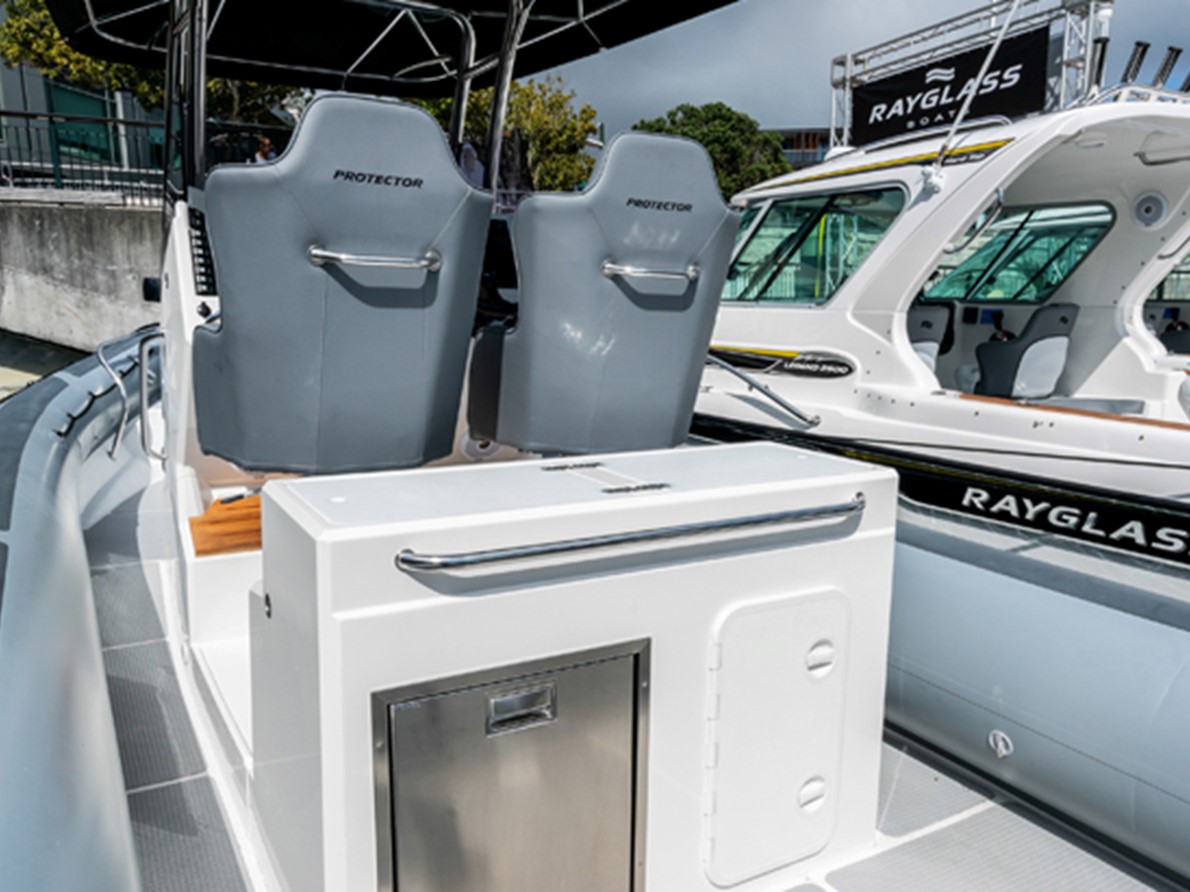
(123, 160)
(82, 154)
(118, 158)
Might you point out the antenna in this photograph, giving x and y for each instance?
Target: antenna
(934, 174)
(1167, 64)
(1098, 60)
(1185, 88)
(1137, 59)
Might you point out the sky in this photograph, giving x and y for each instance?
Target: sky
(771, 58)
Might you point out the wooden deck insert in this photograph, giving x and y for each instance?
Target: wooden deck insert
(227, 527)
(1086, 413)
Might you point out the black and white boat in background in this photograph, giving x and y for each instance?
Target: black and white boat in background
(978, 294)
(967, 304)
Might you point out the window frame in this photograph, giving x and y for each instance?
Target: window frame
(1026, 209)
(828, 198)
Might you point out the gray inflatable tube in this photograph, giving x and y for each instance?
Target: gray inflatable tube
(1084, 681)
(65, 821)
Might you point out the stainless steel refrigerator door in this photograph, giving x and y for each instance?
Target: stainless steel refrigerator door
(518, 786)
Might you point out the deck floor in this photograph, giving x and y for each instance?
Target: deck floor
(941, 833)
(181, 836)
(938, 833)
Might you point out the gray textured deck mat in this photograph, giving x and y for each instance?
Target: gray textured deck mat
(124, 607)
(157, 742)
(182, 840)
(182, 844)
(128, 537)
(913, 795)
(994, 850)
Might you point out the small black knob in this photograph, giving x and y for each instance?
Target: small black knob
(204, 310)
(151, 289)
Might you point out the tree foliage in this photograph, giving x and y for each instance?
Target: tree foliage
(30, 36)
(553, 133)
(743, 156)
(544, 135)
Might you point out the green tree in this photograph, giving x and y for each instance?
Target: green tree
(30, 36)
(544, 135)
(553, 133)
(743, 156)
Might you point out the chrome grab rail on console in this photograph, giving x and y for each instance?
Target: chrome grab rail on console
(146, 439)
(807, 420)
(412, 562)
(432, 262)
(611, 270)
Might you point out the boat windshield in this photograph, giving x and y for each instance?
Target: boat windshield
(804, 248)
(1024, 256)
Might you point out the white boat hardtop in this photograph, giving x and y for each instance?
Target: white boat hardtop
(1051, 231)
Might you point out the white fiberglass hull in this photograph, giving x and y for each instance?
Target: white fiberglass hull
(1131, 454)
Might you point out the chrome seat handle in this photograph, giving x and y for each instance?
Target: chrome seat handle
(432, 261)
(412, 562)
(611, 270)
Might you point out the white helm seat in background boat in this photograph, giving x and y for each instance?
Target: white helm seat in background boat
(619, 286)
(348, 271)
(930, 332)
(1028, 367)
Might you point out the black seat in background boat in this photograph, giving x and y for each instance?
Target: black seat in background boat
(1176, 340)
(348, 271)
(619, 285)
(1028, 367)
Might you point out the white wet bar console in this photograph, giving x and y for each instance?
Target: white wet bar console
(658, 670)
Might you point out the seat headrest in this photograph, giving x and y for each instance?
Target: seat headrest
(655, 173)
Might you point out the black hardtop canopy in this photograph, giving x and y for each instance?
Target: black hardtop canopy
(386, 47)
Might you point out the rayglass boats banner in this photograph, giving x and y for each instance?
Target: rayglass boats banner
(931, 95)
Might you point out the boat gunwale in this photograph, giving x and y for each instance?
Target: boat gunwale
(75, 824)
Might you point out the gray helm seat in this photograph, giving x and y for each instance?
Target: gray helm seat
(324, 365)
(619, 285)
(1028, 367)
(928, 326)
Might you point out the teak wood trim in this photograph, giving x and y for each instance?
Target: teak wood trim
(227, 527)
(1086, 413)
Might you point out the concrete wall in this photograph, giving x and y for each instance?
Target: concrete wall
(71, 273)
